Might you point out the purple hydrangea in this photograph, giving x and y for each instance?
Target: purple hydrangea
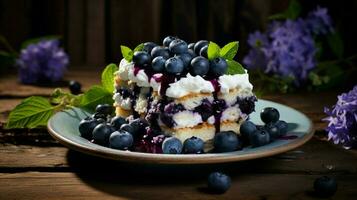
(287, 48)
(43, 61)
(342, 120)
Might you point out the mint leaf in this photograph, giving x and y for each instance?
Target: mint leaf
(30, 113)
(127, 53)
(234, 67)
(213, 50)
(229, 50)
(140, 47)
(94, 96)
(108, 77)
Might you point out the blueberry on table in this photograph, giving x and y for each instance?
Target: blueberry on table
(259, 138)
(160, 51)
(127, 128)
(141, 58)
(225, 141)
(75, 87)
(186, 59)
(273, 130)
(117, 122)
(158, 64)
(172, 145)
(174, 65)
(203, 51)
(282, 126)
(199, 66)
(218, 67)
(86, 127)
(218, 182)
(269, 115)
(168, 40)
(198, 46)
(104, 109)
(101, 134)
(325, 186)
(148, 46)
(247, 128)
(193, 145)
(121, 140)
(178, 46)
(191, 46)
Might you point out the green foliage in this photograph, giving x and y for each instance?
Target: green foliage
(335, 42)
(235, 67)
(94, 96)
(213, 51)
(229, 50)
(108, 77)
(292, 12)
(127, 53)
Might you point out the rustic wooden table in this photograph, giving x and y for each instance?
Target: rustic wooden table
(34, 166)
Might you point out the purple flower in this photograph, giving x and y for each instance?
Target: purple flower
(257, 39)
(319, 22)
(342, 120)
(43, 61)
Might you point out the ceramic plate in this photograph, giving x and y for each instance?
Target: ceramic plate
(63, 126)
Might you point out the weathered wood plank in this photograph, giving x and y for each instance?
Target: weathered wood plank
(315, 157)
(34, 185)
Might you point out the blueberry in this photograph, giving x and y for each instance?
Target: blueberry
(158, 64)
(191, 46)
(260, 137)
(101, 134)
(117, 122)
(198, 46)
(168, 40)
(272, 130)
(192, 53)
(219, 182)
(160, 51)
(193, 145)
(199, 66)
(104, 109)
(247, 129)
(86, 127)
(174, 65)
(172, 145)
(325, 186)
(75, 87)
(121, 140)
(138, 127)
(269, 115)
(178, 46)
(186, 59)
(127, 128)
(141, 58)
(148, 46)
(218, 67)
(282, 126)
(100, 116)
(225, 141)
(203, 51)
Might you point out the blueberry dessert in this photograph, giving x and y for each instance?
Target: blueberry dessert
(181, 92)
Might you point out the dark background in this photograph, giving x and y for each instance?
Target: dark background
(92, 31)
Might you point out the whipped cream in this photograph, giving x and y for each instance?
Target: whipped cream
(155, 84)
(123, 103)
(187, 85)
(141, 79)
(186, 118)
(124, 68)
(239, 81)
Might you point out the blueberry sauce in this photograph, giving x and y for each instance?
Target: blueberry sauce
(205, 109)
(151, 142)
(218, 105)
(136, 70)
(165, 81)
(247, 104)
(134, 96)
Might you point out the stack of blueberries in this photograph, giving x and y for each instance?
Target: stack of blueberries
(177, 57)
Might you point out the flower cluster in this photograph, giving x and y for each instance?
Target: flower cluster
(342, 120)
(43, 61)
(287, 48)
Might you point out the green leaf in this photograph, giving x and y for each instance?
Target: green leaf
(213, 50)
(36, 40)
(94, 96)
(229, 50)
(127, 53)
(7, 59)
(108, 77)
(234, 67)
(30, 113)
(292, 12)
(140, 47)
(335, 42)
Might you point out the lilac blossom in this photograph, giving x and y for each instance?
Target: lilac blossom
(43, 61)
(319, 22)
(342, 120)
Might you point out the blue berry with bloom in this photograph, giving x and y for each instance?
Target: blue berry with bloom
(43, 61)
(342, 120)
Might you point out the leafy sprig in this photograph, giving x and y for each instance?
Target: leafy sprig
(228, 52)
(128, 53)
(36, 111)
